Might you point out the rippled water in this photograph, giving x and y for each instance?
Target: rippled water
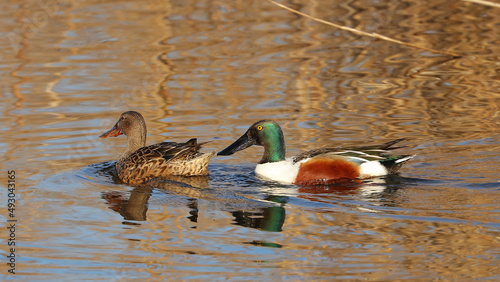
(209, 69)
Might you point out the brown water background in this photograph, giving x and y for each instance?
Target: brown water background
(209, 69)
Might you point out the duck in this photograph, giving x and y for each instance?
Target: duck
(140, 163)
(316, 167)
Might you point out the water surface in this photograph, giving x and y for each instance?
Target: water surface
(209, 69)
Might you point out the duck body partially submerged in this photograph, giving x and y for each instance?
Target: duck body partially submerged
(140, 163)
(321, 166)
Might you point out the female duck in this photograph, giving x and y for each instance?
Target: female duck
(320, 166)
(139, 164)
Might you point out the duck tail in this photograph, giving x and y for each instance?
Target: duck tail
(194, 142)
(387, 146)
(394, 163)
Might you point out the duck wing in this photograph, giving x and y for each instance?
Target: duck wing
(358, 154)
(151, 161)
(171, 151)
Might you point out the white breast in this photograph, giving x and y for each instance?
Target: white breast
(284, 171)
(372, 169)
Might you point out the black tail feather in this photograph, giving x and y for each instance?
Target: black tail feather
(387, 146)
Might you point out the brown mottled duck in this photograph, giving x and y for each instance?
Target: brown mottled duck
(140, 163)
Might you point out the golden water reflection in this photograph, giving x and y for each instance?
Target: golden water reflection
(209, 69)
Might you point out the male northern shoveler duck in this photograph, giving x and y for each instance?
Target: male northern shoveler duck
(320, 166)
(139, 164)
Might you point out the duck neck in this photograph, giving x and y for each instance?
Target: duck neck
(135, 141)
(274, 148)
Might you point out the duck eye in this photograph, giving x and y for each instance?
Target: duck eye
(259, 127)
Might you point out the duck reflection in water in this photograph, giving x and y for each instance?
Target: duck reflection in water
(262, 215)
(133, 205)
(267, 219)
(380, 191)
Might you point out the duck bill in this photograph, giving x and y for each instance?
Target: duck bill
(113, 132)
(242, 143)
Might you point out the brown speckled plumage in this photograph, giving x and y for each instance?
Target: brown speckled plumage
(140, 164)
